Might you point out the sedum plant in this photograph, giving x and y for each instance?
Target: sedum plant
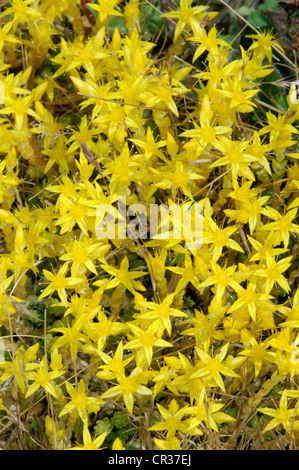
(183, 345)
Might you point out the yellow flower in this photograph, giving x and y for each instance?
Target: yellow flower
(186, 15)
(273, 273)
(280, 131)
(59, 282)
(265, 249)
(72, 337)
(127, 387)
(2, 407)
(80, 402)
(221, 278)
(89, 443)
(263, 44)
(168, 444)
(256, 351)
(145, 340)
(282, 416)
(100, 331)
(21, 11)
(235, 157)
(162, 312)
(240, 98)
(207, 133)
(114, 366)
(219, 238)
(54, 434)
(208, 41)
(162, 90)
(204, 326)
(74, 213)
(249, 298)
(20, 366)
(172, 419)
(83, 253)
(123, 276)
(149, 145)
(105, 8)
(292, 314)
(19, 107)
(282, 226)
(4, 36)
(117, 444)
(214, 367)
(42, 378)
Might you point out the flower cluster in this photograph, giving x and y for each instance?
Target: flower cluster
(175, 337)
